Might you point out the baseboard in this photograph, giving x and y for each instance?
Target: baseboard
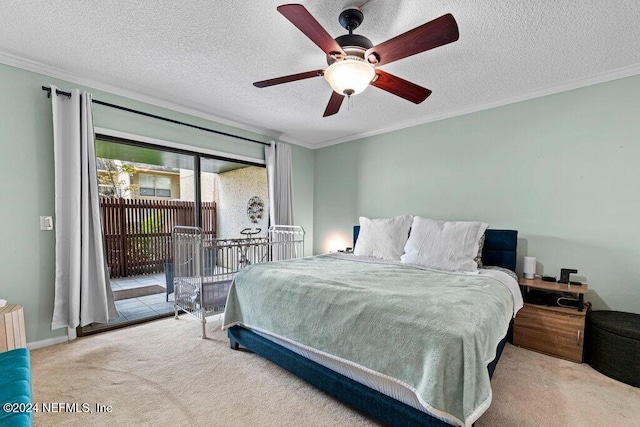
(49, 341)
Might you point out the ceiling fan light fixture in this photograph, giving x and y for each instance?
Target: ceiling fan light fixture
(354, 61)
(349, 76)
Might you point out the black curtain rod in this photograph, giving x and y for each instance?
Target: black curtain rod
(58, 92)
(142, 113)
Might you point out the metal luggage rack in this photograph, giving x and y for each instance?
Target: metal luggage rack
(204, 267)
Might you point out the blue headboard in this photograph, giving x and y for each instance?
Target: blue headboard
(499, 247)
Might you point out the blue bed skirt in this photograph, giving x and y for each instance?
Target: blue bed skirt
(370, 402)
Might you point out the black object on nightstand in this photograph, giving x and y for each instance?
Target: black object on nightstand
(564, 275)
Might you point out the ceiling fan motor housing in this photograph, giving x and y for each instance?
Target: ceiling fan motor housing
(353, 45)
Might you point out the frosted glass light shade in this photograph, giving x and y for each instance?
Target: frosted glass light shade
(529, 267)
(350, 76)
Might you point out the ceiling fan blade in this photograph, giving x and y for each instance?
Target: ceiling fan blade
(334, 104)
(400, 87)
(289, 78)
(301, 18)
(427, 36)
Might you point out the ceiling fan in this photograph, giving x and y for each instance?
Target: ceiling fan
(353, 60)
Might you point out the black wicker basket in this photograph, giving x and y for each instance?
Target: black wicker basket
(613, 345)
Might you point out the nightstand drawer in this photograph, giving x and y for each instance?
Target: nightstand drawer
(550, 330)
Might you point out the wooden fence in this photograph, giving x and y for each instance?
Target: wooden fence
(137, 232)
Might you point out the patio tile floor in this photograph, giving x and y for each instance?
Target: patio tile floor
(152, 299)
(141, 307)
(145, 306)
(127, 304)
(136, 308)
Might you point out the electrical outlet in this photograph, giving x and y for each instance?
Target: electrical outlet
(46, 223)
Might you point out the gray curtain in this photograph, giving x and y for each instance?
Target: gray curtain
(82, 288)
(280, 178)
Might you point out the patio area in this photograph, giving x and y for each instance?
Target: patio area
(137, 298)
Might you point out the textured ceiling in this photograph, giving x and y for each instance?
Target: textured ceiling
(203, 55)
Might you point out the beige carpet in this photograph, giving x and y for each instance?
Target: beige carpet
(162, 373)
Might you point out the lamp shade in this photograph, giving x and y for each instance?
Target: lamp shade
(349, 76)
(529, 267)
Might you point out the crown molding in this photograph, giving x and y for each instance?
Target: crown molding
(57, 73)
(549, 90)
(294, 141)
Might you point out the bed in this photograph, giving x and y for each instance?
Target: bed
(385, 390)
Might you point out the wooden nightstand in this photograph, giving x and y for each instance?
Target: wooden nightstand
(556, 331)
(12, 327)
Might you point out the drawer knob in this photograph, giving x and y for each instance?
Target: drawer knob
(578, 343)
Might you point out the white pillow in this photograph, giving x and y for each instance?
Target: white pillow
(383, 237)
(442, 245)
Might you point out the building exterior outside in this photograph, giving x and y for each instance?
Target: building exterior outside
(129, 180)
(235, 189)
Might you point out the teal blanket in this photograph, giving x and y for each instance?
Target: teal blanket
(434, 332)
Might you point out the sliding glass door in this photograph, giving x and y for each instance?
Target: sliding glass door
(145, 191)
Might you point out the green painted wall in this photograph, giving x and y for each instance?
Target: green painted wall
(563, 169)
(26, 181)
(303, 167)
